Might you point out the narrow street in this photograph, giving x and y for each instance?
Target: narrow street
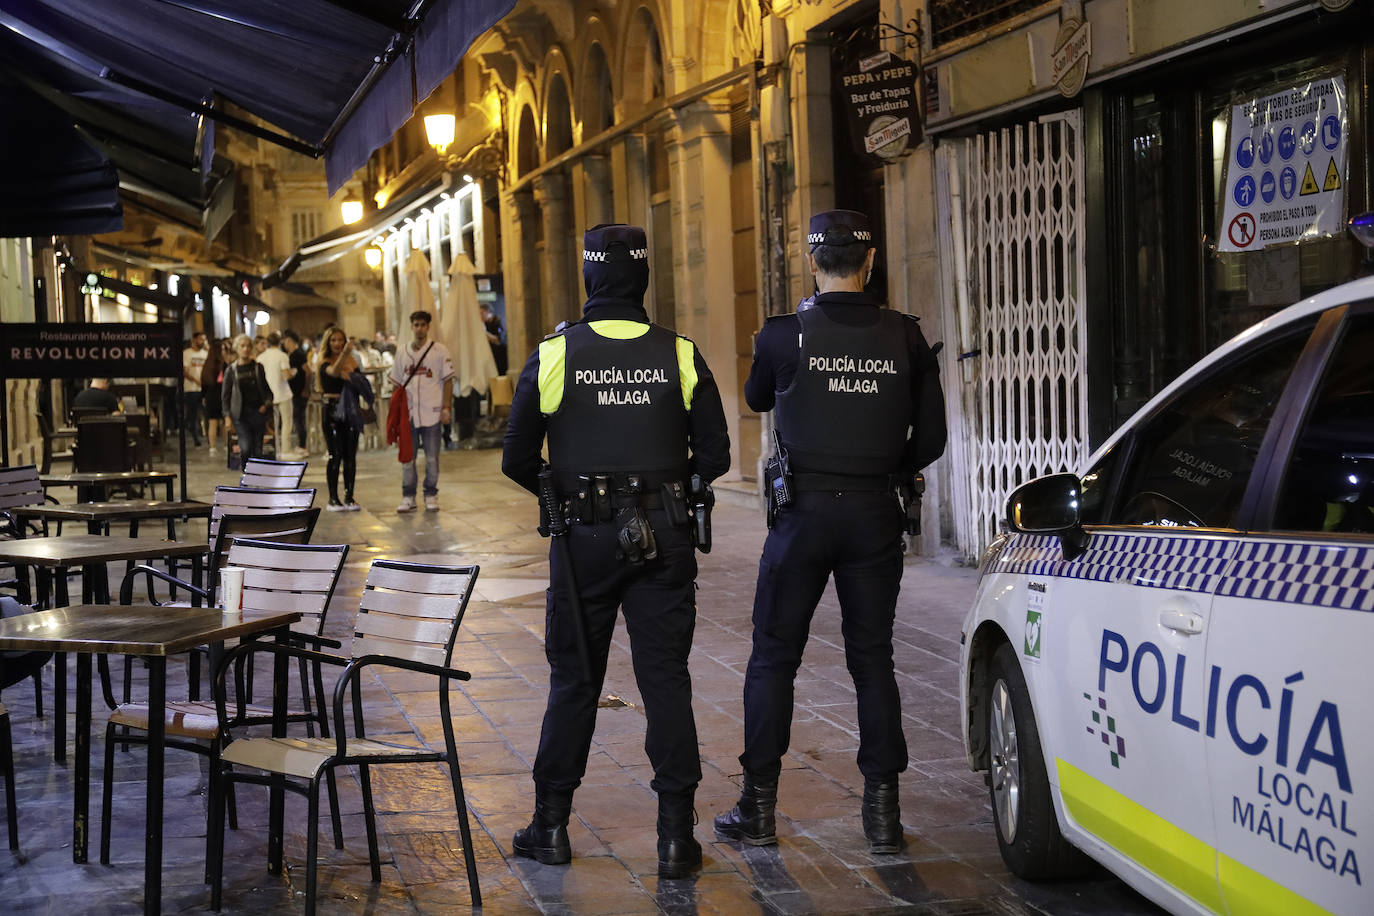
(951, 864)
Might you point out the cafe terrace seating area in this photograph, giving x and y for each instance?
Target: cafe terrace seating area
(236, 581)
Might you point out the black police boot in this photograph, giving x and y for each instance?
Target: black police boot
(752, 821)
(546, 838)
(679, 853)
(882, 815)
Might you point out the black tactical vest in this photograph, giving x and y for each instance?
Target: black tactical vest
(847, 409)
(622, 410)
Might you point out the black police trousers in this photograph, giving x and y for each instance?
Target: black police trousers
(857, 537)
(659, 601)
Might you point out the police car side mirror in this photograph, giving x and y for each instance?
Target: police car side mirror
(1049, 505)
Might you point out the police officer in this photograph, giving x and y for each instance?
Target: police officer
(857, 402)
(631, 412)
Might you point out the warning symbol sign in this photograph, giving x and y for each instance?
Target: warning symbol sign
(1309, 182)
(1242, 230)
(1333, 176)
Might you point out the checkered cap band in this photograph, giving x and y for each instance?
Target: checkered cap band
(638, 254)
(818, 238)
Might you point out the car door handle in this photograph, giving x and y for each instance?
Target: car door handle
(1180, 621)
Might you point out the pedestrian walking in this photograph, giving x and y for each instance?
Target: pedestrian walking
(425, 370)
(337, 365)
(298, 377)
(211, 382)
(631, 413)
(246, 398)
(858, 411)
(192, 361)
(276, 365)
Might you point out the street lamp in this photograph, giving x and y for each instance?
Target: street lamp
(351, 209)
(373, 256)
(439, 131)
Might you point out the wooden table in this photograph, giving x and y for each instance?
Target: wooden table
(153, 633)
(89, 551)
(97, 482)
(98, 516)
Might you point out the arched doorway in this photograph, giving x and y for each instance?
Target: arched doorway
(645, 84)
(529, 225)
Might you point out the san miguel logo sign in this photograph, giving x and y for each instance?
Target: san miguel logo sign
(90, 350)
(878, 94)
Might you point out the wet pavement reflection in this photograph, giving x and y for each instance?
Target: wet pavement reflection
(821, 865)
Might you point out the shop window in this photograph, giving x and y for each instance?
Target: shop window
(1246, 287)
(1174, 295)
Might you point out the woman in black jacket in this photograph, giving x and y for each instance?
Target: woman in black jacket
(337, 363)
(246, 398)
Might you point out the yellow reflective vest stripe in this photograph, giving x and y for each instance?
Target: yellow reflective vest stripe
(553, 355)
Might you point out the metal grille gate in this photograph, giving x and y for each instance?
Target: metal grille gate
(1014, 199)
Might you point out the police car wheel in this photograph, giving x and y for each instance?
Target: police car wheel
(1027, 831)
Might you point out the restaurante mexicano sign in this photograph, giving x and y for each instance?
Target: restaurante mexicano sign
(51, 350)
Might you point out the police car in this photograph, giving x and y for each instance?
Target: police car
(1169, 665)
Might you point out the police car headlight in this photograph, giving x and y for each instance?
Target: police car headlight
(991, 553)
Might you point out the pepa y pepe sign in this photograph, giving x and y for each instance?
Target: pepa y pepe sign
(878, 93)
(90, 350)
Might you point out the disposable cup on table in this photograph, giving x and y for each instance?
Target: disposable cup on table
(231, 590)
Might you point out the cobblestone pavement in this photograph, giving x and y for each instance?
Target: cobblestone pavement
(951, 864)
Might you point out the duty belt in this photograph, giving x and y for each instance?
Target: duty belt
(597, 499)
(805, 481)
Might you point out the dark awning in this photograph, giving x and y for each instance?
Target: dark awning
(53, 181)
(341, 76)
(338, 242)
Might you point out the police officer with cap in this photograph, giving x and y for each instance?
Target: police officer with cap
(631, 412)
(857, 404)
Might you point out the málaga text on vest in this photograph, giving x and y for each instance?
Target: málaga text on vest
(840, 372)
(614, 384)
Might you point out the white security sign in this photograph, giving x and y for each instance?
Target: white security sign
(1285, 167)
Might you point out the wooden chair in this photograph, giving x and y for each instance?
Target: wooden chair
(17, 666)
(7, 764)
(80, 413)
(20, 486)
(293, 527)
(272, 475)
(256, 501)
(102, 444)
(140, 441)
(246, 501)
(278, 577)
(407, 619)
(57, 443)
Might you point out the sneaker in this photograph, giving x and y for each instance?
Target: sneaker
(351, 506)
(407, 504)
(213, 451)
(431, 503)
(335, 506)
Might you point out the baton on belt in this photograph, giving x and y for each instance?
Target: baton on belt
(555, 526)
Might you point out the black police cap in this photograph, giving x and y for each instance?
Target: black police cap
(840, 227)
(615, 242)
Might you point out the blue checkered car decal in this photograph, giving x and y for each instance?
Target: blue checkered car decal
(1192, 564)
(1324, 575)
(1320, 575)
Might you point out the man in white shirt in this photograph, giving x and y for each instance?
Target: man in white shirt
(276, 365)
(192, 360)
(429, 392)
